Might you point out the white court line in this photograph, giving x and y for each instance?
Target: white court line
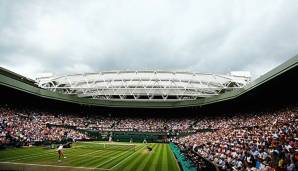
(43, 154)
(50, 153)
(92, 156)
(127, 157)
(28, 156)
(86, 154)
(46, 165)
(110, 143)
(111, 159)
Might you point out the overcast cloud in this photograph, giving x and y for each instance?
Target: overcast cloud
(76, 36)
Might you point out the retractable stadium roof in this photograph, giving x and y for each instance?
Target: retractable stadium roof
(281, 76)
(144, 85)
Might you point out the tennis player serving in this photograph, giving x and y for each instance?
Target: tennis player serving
(60, 152)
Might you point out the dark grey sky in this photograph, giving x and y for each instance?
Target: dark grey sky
(77, 36)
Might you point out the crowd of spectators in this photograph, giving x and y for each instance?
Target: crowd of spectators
(156, 124)
(268, 141)
(105, 122)
(250, 141)
(28, 127)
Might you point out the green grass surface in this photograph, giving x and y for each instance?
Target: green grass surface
(91, 156)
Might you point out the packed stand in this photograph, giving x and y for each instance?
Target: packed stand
(24, 128)
(105, 122)
(156, 124)
(21, 125)
(248, 142)
(252, 141)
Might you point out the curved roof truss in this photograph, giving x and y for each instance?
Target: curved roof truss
(143, 85)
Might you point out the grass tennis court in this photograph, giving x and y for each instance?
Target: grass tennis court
(91, 156)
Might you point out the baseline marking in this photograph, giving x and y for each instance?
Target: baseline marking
(128, 157)
(46, 165)
(86, 154)
(27, 156)
(111, 159)
(49, 153)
